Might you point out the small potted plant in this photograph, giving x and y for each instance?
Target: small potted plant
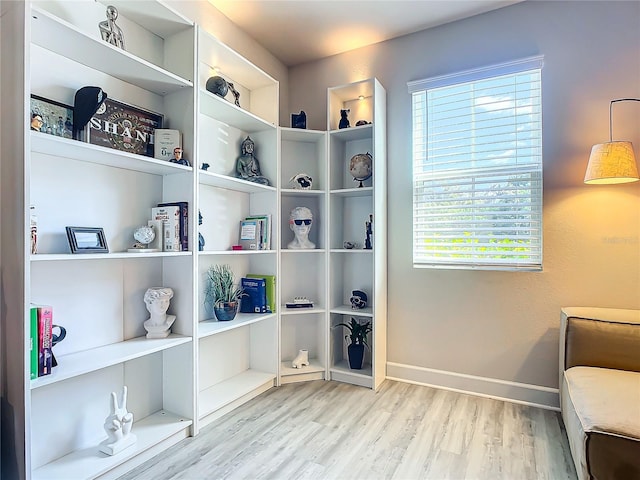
(221, 293)
(358, 337)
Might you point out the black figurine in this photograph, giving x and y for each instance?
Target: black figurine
(200, 237)
(205, 166)
(177, 157)
(236, 94)
(368, 244)
(344, 121)
(299, 120)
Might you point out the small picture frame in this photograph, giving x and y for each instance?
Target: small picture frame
(51, 117)
(87, 240)
(124, 127)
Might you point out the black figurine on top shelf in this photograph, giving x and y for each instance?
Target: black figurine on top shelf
(368, 242)
(236, 94)
(299, 120)
(344, 121)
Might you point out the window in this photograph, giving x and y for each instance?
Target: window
(477, 168)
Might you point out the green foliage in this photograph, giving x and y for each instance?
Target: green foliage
(357, 331)
(220, 286)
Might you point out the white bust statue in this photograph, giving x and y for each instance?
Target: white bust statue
(157, 300)
(300, 221)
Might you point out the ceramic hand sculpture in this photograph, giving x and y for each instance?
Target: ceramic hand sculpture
(247, 165)
(300, 221)
(118, 426)
(157, 300)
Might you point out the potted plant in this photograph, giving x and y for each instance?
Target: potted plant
(358, 336)
(221, 293)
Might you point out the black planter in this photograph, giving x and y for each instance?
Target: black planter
(356, 356)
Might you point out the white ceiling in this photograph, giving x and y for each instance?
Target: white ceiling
(298, 31)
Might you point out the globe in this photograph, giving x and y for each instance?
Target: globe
(144, 235)
(360, 167)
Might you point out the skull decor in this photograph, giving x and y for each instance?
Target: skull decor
(301, 181)
(358, 299)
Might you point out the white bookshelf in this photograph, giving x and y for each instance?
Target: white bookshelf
(303, 271)
(236, 359)
(98, 298)
(349, 209)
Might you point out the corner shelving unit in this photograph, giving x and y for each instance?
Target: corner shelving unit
(303, 271)
(349, 208)
(237, 359)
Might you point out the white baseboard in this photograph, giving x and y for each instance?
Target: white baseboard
(523, 393)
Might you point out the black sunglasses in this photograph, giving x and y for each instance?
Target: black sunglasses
(300, 222)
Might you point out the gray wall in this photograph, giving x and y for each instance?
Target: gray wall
(504, 325)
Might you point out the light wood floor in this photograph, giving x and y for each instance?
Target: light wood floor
(329, 430)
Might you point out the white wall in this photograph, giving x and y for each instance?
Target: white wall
(502, 325)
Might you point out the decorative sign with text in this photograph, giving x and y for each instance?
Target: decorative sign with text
(124, 127)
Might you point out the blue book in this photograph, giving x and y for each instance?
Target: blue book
(255, 300)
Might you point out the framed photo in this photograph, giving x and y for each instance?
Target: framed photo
(51, 117)
(124, 127)
(87, 240)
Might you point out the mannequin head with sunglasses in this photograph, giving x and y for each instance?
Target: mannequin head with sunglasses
(300, 221)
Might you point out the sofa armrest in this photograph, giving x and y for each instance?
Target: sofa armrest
(600, 337)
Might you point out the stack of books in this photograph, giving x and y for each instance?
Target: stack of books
(41, 353)
(255, 232)
(175, 225)
(260, 293)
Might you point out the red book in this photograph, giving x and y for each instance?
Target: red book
(45, 354)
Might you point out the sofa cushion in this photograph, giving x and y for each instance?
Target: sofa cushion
(601, 411)
(598, 343)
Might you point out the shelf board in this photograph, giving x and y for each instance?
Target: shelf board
(228, 391)
(287, 370)
(226, 112)
(353, 251)
(292, 192)
(343, 368)
(352, 133)
(300, 311)
(232, 183)
(353, 192)
(86, 152)
(213, 327)
(347, 310)
(342, 373)
(91, 463)
(299, 251)
(79, 363)
(302, 135)
(50, 257)
(235, 252)
(63, 38)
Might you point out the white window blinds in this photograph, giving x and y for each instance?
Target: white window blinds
(477, 168)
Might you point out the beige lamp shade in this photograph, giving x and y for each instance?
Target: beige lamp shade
(611, 162)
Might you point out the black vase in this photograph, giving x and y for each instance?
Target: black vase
(356, 356)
